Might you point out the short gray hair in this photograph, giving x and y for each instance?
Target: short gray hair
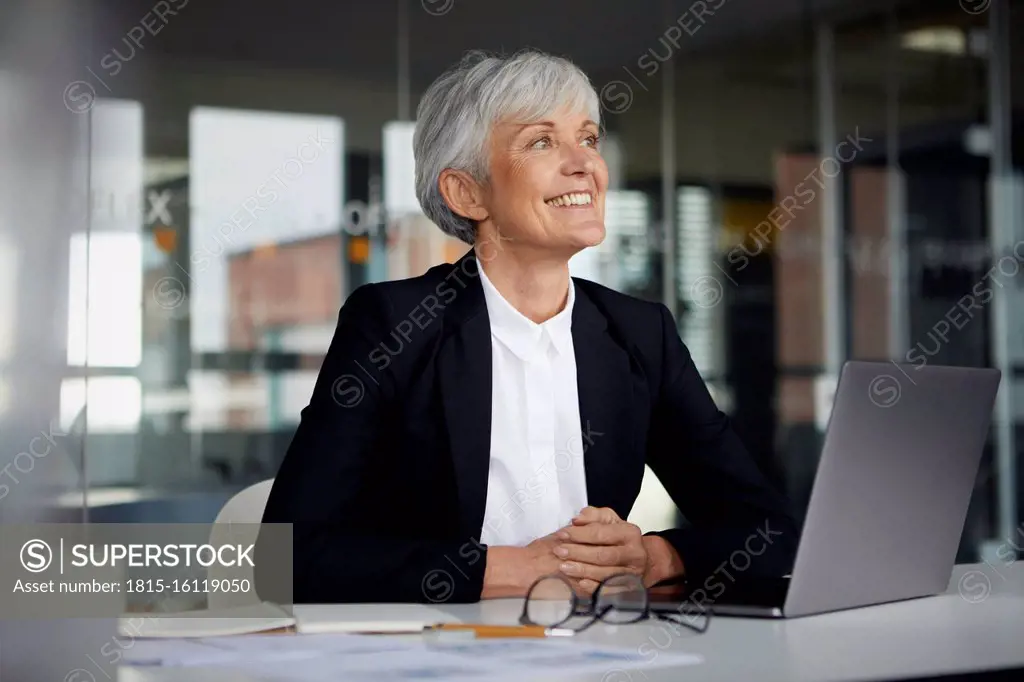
(455, 117)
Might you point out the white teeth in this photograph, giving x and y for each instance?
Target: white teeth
(572, 199)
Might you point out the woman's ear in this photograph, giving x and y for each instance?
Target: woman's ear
(463, 194)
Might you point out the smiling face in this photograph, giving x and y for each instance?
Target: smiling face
(547, 184)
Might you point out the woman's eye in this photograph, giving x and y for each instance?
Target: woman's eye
(542, 143)
(591, 140)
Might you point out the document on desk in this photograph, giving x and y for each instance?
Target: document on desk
(257, 649)
(316, 658)
(236, 620)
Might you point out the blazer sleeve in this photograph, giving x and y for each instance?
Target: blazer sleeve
(737, 523)
(324, 472)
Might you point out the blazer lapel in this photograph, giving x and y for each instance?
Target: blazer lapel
(610, 395)
(464, 362)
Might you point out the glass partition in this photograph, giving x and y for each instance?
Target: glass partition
(798, 189)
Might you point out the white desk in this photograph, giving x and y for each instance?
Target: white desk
(947, 634)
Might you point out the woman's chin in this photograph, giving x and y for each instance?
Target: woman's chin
(587, 235)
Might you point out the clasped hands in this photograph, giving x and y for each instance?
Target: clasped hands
(596, 545)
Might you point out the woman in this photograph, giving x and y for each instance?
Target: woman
(488, 422)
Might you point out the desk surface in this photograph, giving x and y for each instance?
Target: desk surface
(978, 624)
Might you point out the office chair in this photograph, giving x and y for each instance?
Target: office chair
(245, 508)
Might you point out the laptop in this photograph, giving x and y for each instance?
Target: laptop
(890, 496)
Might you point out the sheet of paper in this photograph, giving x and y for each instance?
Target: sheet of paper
(258, 649)
(316, 658)
(323, 644)
(231, 621)
(490, 660)
(570, 657)
(175, 652)
(355, 618)
(415, 663)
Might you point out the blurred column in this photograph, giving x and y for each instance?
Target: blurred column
(43, 201)
(832, 261)
(403, 85)
(895, 202)
(701, 286)
(105, 328)
(668, 177)
(1004, 234)
(810, 292)
(43, 204)
(402, 215)
(799, 305)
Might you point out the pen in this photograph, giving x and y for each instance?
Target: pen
(488, 631)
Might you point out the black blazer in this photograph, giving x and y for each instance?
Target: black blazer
(385, 480)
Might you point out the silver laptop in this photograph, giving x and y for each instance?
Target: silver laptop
(890, 496)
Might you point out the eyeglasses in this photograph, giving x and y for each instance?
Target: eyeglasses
(619, 599)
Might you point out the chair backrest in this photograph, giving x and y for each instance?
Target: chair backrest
(237, 523)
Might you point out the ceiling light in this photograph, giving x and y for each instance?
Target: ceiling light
(939, 39)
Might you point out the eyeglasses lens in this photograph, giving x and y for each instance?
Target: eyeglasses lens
(550, 602)
(621, 599)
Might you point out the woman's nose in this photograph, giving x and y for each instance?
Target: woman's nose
(578, 161)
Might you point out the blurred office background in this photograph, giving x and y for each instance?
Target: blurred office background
(800, 181)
